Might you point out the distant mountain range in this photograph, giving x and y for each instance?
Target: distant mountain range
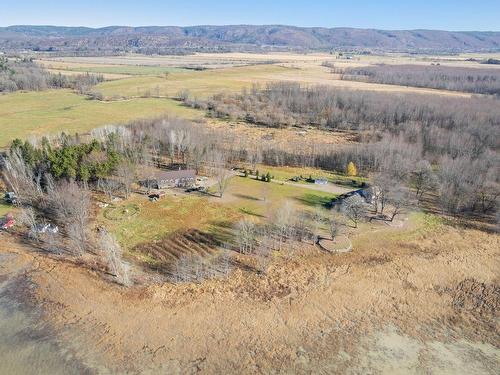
(172, 39)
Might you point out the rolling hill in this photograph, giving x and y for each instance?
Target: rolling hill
(171, 39)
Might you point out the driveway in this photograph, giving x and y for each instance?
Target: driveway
(329, 188)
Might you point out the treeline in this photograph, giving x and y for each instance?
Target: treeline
(441, 125)
(462, 175)
(53, 179)
(477, 81)
(69, 159)
(25, 74)
(458, 137)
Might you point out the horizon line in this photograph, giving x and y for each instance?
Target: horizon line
(245, 24)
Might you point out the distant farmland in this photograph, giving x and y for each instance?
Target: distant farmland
(46, 112)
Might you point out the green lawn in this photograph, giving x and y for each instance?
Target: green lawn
(155, 220)
(25, 114)
(286, 173)
(4, 208)
(261, 199)
(243, 198)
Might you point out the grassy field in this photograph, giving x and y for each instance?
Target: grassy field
(200, 83)
(158, 219)
(130, 70)
(261, 199)
(286, 173)
(245, 197)
(41, 113)
(4, 208)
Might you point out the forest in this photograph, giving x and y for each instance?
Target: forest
(24, 74)
(448, 137)
(476, 81)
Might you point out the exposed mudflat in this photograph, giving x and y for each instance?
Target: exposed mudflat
(27, 344)
(403, 301)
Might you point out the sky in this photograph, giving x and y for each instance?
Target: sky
(477, 15)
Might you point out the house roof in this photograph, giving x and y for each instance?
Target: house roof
(172, 175)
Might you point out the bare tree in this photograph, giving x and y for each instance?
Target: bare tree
(28, 217)
(113, 255)
(334, 228)
(69, 205)
(283, 222)
(424, 179)
(254, 156)
(354, 208)
(20, 178)
(263, 253)
(125, 172)
(246, 234)
(317, 221)
(108, 186)
(220, 171)
(399, 197)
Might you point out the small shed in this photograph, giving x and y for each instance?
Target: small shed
(321, 181)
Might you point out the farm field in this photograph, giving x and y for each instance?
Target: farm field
(209, 82)
(237, 72)
(36, 114)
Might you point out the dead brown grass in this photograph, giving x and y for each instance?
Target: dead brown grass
(312, 312)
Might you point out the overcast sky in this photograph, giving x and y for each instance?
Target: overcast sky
(381, 14)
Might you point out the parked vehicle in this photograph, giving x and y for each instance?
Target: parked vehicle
(10, 197)
(153, 197)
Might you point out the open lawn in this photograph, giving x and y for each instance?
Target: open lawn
(155, 220)
(286, 173)
(245, 197)
(260, 199)
(25, 114)
(5, 208)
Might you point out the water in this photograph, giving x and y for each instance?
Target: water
(27, 346)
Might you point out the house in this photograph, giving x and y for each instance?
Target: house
(167, 179)
(7, 221)
(369, 194)
(47, 228)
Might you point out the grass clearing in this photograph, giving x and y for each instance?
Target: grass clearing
(25, 114)
(286, 173)
(154, 220)
(261, 199)
(199, 83)
(127, 70)
(245, 197)
(5, 208)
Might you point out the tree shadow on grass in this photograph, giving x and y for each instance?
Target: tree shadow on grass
(245, 196)
(315, 200)
(250, 212)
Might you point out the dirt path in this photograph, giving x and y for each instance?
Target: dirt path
(395, 304)
(329, 188)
